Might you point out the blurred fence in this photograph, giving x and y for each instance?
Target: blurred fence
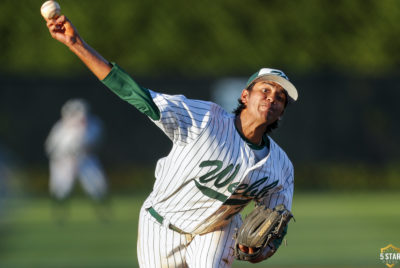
(342, 133)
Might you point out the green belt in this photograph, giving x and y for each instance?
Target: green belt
(160, 219)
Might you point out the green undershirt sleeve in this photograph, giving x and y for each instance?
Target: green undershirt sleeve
(121, 83)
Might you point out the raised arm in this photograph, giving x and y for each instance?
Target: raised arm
(112, 76)
(62, 30)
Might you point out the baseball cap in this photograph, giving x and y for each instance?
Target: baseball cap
(277, 76)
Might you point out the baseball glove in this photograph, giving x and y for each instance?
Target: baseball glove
(262, 230)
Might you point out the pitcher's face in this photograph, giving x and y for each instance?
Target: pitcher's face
(265, 102)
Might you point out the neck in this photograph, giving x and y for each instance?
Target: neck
(250, 129)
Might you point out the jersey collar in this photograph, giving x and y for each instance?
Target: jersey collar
(265, 141)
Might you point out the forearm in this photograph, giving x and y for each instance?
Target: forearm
(115, 78)
(98, 65)
(118, 80)
(62, 30)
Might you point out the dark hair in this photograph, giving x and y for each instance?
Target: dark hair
(237, 111)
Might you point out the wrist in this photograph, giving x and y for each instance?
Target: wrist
(76, 44)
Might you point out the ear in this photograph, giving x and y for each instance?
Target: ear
(244, 96)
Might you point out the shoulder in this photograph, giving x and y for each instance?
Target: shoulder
(217, 109)
(162, 99)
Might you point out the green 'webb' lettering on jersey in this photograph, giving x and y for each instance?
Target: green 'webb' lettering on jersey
(221, 179)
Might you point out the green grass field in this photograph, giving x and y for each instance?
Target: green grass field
(331, 230)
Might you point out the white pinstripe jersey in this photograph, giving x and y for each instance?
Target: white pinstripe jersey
(211, 173)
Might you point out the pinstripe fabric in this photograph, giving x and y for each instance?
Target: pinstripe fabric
(209, 176)
(160, 247)
(202, 131)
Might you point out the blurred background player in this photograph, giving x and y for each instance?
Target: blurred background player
(71, 147)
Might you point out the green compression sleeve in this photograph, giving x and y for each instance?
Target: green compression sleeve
(119, 82)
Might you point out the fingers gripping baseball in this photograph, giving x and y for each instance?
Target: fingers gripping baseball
(62, 30)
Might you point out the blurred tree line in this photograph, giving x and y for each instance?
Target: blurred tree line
(195, 38)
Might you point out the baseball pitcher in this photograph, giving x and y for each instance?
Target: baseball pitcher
(218, 163)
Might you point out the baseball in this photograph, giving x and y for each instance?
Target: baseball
(50, 10)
